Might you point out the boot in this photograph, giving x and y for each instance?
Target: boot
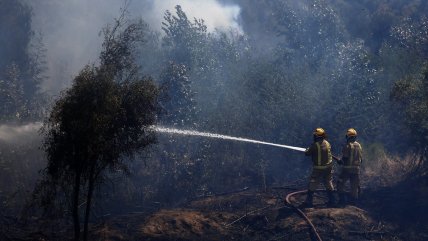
(309, 200)
(331, 199)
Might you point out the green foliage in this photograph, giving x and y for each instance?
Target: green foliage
(16, 16)
(182, 36)
(101, 121)
(12, 94)
(179, 100)
(411, 94)
(413, 35)
(299, 65)
(22, 64)
(120, 39)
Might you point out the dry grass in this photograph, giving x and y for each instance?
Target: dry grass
(381, 169)
(184, 224)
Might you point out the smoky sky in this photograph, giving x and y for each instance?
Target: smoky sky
(70, 29)
(19, 133)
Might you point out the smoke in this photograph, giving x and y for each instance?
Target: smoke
(216, 15)
(70, 29)
(19, 133)
(70, 34)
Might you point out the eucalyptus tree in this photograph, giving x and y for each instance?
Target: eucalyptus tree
(104, 118)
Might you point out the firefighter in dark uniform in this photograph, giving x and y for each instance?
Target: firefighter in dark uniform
(322, 171)
(351, 162)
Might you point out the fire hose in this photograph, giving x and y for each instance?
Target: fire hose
(302, 214)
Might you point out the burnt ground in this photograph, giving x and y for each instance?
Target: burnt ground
(247, 215)
(392, 213)
(405, 204)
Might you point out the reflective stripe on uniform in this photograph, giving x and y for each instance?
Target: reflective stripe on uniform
(319, 165)
(360, 152)
(355, 149)
(319, 154)
(322, 167)
(329, 156)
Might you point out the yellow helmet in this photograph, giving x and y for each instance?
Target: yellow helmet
(319, 132)
(351, 132)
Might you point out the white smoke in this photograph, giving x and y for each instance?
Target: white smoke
(19, 133)
(215, 14)
(70, 34)
(70, 29)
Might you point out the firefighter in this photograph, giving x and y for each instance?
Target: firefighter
(322, 171)
(351, 162)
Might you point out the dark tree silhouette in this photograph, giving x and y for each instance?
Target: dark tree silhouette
(182, 36)
(411, 96)
(101, 121)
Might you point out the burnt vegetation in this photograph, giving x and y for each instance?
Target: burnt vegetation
(294, 66)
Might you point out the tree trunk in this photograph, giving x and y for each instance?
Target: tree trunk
(76, 222)
(88, 203)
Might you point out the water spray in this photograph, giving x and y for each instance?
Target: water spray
(10, 133)
(223, 137)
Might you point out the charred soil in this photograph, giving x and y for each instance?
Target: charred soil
(382, 214)
(247, 215)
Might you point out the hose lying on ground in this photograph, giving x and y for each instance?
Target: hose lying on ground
(299, 211)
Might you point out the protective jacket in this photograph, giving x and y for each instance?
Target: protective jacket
(322, 172)
(352, 156)
(321, 154)
(352, 159)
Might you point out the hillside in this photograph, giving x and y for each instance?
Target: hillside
(246, 215)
